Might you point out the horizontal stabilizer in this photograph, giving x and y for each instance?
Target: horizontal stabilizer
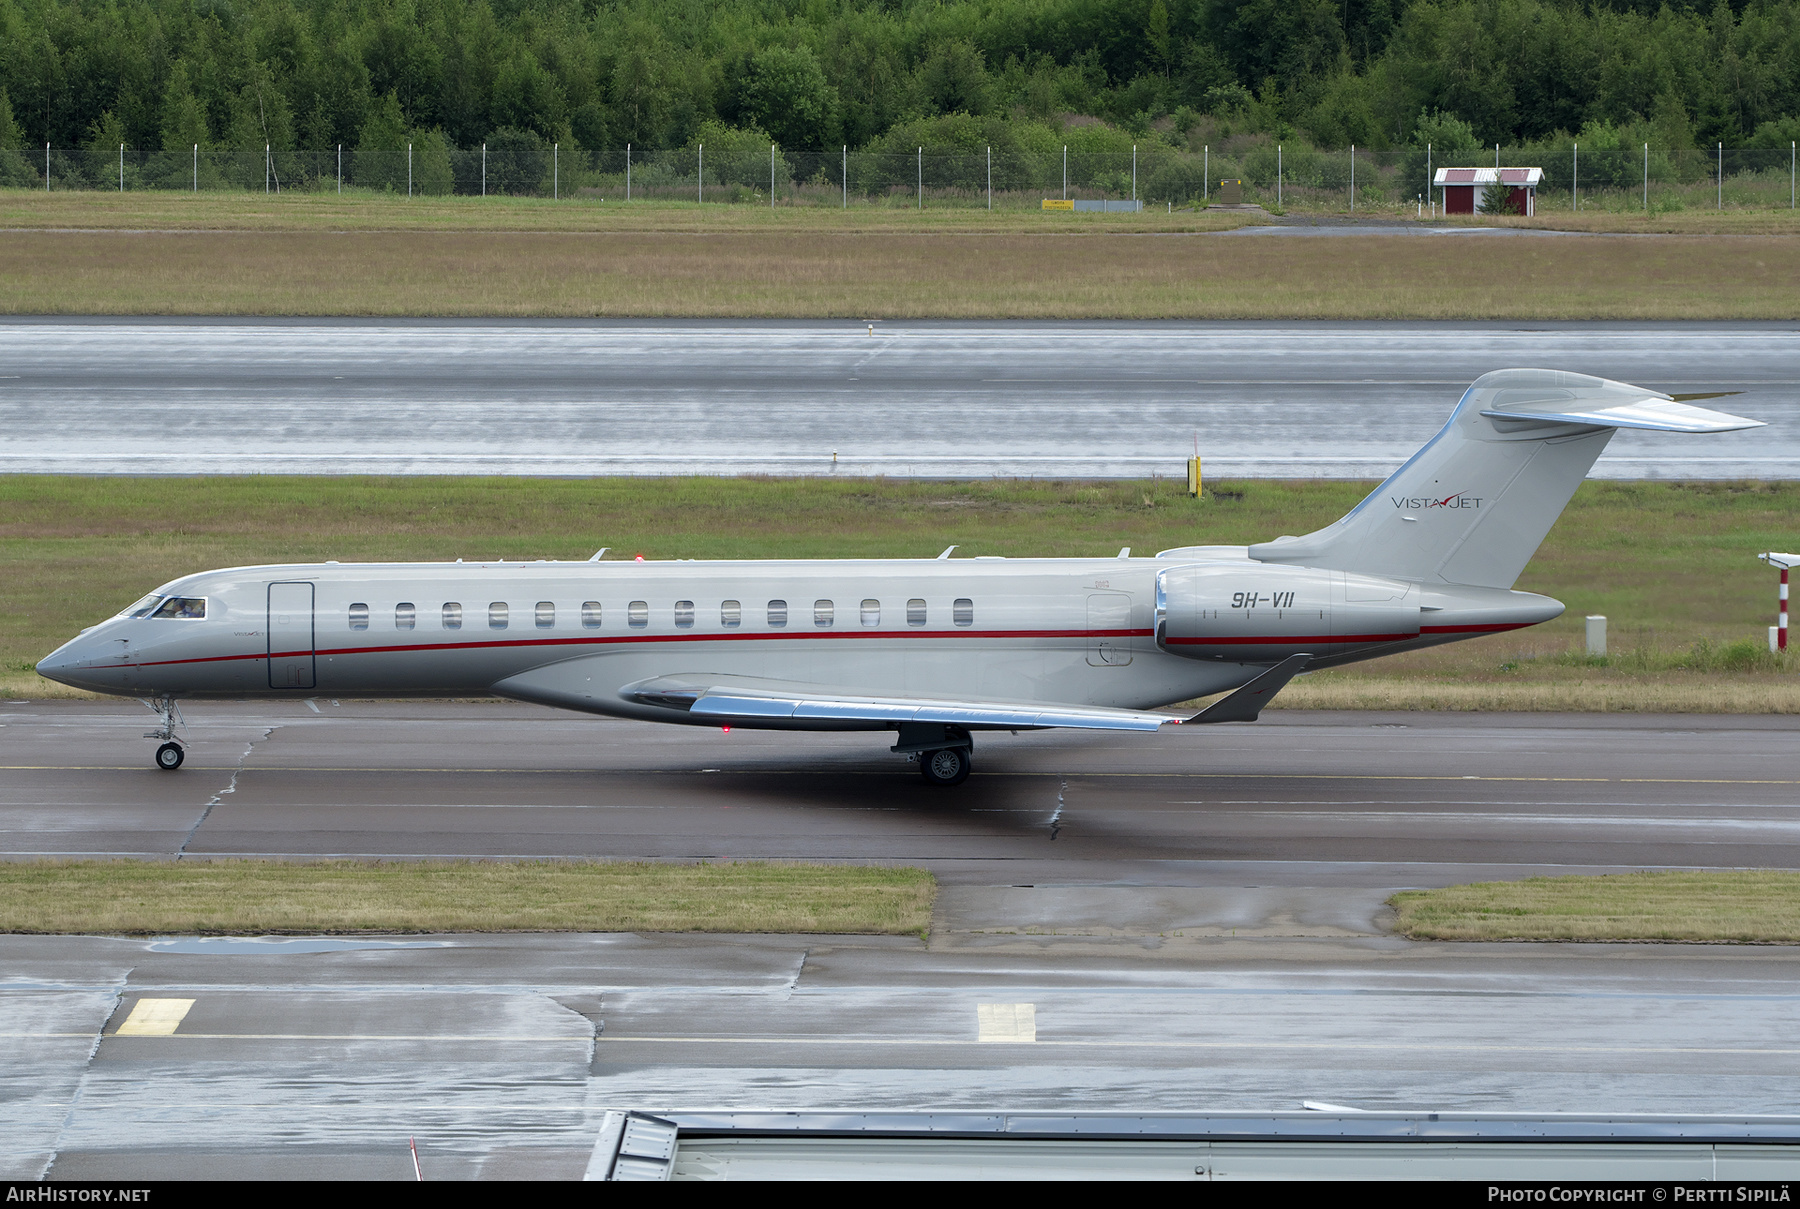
(1248, 702)
(729, 699)
(1654, 413)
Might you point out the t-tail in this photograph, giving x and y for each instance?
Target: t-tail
(1473, 505)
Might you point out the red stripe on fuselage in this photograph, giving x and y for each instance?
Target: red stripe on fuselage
(624, 639)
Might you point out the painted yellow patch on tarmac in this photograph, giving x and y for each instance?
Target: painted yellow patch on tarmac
(155, 1018)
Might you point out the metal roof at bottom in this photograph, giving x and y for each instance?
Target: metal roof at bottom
(1338, 1144)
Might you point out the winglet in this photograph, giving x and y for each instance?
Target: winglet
(1247, 703)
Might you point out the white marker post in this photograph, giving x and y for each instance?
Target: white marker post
(1778, 641)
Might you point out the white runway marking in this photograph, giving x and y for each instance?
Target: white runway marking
(1006, 1022)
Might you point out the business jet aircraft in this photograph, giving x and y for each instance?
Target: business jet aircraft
(931, 649)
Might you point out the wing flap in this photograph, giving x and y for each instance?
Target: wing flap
(727, 702)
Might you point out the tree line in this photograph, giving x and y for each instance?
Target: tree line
(593, 76)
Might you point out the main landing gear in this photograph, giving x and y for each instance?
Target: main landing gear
(945, 753)
(170, 754)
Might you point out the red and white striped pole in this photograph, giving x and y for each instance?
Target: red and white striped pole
(1784, 562)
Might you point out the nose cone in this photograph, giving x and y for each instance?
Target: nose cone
(59, 666)
(71, 664)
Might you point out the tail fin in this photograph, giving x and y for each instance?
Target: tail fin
(1473, 505)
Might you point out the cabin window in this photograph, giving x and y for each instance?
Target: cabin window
(405, 615)
(777, 614)
(194, 607)
(684, 614)
(871, 612)
(590, 614)
(497, 615)
(546, 614)
(963, 611)
(731, 614)
(637, 614)
(915, 611)
(142, 608)
(359, 616)
(452, 615)
(822, 614)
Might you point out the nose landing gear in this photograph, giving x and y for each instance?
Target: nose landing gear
(170, 754)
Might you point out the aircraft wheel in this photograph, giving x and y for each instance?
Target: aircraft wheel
(168, 757)
(946, 766)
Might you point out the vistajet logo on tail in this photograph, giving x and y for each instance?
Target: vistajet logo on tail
(1461, 499)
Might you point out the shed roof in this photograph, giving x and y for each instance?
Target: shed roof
(1488, 176)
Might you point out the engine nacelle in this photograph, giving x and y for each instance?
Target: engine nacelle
(1261, 612)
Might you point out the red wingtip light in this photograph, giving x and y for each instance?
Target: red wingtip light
(726, 729)
(640, 558)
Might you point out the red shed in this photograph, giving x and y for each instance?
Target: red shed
(1464, 187)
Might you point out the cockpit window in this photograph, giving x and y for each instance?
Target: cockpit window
(142, 608)
(191, 607)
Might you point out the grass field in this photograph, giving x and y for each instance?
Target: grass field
(243, 897)
(158, 210)
(314, 255)
(1744, 906)
(1672, 565)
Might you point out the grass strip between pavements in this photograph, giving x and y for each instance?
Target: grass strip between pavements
(1749, 906)
(255, 897)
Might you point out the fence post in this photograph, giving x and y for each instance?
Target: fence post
(1278, 204)
(409, 170)
(340, 169)
(1428, 178)
(46, 167)
(1353, 178)
(1721, 176)
(121, 167)
(921, 178)
(700, 171)
(555, 171)
(771, 176)
(990, 178)
(1065, 172)
(844, 173)
(265, 167)
(1646, 178)
(627, 168)
(1134, 172)
(1574, 176)
(483, 169)
(1206, 173)
(197, 169)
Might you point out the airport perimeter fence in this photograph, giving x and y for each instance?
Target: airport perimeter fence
(1290, 176)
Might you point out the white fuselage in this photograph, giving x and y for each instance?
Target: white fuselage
(1023, 630)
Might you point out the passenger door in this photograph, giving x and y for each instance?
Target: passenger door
(291, 635)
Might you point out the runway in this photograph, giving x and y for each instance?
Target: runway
(917, 399)
(1200, 927)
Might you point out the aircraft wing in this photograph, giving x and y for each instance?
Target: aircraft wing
(746, 700)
